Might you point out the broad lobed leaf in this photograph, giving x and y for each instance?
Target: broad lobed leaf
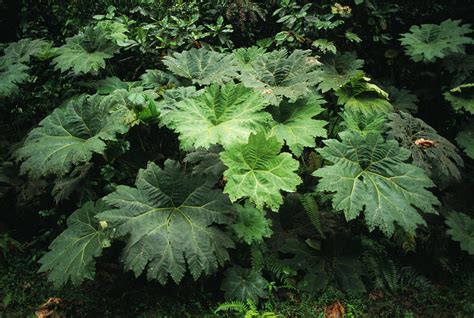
(259, 171)
(72, 254)
(279, 75)
(202, 66)
(72, 134)
(295, 125)
(170, 222)
(369, 175)
(220, 115)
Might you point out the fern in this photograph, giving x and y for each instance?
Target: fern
(311, 207)
(257, 258)
(387, 276)
(234, 305)
(465, 138)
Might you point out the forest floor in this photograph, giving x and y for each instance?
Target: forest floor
(25, 293)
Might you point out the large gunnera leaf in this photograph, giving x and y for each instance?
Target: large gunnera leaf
(206, 161)
(295, 125)
(220, 115)
(430, 151)
(278, 75)
(462, 97)
(12, 75)
(252, 225)
(359, 95)
(461, 229)
(202, 66)
(244, 57)
(402, 99)
(13, 64)
(364, 124)
(321, 270)
(369, 175)
(21, 51)
(429, 42)
(259, 171)
(70, 135)
(170, 220)
(85, 52)
(72, 254)
(244, 284)
(339, 70)
(465, 139)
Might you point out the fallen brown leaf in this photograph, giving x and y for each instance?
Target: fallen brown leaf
(49, 309)
(336, 310)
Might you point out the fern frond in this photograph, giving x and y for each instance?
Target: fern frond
(281, 271)
(410, 278)
(234, 305)
(311, 208)
(256, 258)
(404, 240)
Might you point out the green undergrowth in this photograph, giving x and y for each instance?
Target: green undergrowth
(118, 294)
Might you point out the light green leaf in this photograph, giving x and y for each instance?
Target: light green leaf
(359, 95)
(295, 124)
(461, 229)
(369, 174)
(364, 124)
(325, 46)
(279, 75)
(244, 57)
(220, 115)
(70, 135)
(256, 170)
(169, 219)
(202, 66)
(72, 254)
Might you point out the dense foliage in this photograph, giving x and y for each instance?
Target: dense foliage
(262, 150)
